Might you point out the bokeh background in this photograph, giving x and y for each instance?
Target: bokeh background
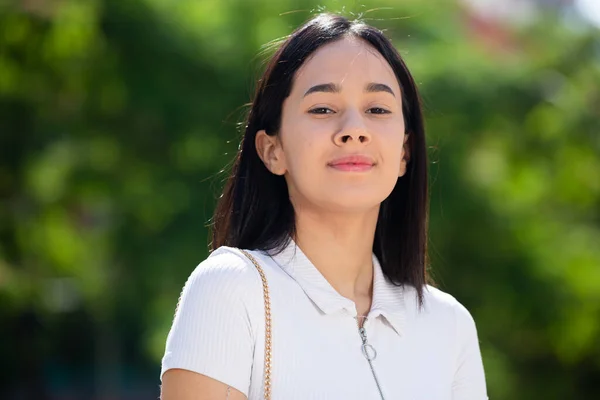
(117, 116)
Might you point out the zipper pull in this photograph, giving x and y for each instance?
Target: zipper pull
(368, 351)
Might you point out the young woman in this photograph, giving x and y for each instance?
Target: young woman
(328, 195)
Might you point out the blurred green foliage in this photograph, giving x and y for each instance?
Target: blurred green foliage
(116, 117)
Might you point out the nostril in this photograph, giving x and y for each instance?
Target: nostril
(359, 138)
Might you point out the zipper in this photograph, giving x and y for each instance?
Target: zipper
(369, 352)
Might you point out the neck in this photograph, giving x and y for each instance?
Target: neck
(341, 247)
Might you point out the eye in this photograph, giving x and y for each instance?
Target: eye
(321, 110)
(378, 110)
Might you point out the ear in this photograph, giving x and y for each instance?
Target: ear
(405, 156)
(270, 152)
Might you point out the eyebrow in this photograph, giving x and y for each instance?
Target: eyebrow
(379, 87)
(334, 88)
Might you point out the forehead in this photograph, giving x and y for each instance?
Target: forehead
(346, 62)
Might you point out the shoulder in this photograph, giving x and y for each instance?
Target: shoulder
(225, 276)
(445, 301)
(440, 300)
(226, 263)
(442, 307)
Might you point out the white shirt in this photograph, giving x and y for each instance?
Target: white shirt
(422, 354)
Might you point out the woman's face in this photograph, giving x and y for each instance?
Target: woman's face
(342, 143)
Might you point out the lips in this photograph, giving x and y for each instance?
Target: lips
(355, 163)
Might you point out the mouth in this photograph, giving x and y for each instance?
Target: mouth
(356, 163)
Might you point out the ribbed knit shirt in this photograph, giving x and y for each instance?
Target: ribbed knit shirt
(422, 353)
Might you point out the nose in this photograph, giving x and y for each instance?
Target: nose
(353, 129)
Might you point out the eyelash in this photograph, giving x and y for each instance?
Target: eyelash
(381, 111)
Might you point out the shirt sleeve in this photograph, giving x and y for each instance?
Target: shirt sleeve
(212, 332)
(469, 378)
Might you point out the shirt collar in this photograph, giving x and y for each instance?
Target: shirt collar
(388, 299)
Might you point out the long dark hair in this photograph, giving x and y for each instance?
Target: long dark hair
(255, 212)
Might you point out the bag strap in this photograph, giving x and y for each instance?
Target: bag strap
(267, 299)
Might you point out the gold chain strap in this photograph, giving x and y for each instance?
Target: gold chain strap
(267, 299)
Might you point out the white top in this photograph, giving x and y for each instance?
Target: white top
(218, 331)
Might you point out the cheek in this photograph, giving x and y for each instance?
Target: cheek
(304, 145)
(303, 157)
(393, 147)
